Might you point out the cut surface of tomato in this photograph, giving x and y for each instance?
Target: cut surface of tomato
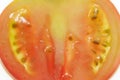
(60, 40)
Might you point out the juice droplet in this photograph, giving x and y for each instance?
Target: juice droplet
(66, 76)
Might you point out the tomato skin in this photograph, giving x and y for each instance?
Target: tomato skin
(21, 74)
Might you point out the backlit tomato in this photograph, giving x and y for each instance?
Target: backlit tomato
(60, 39)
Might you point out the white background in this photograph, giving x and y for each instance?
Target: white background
(5, 76)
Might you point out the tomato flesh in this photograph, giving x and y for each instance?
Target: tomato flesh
(73, 40)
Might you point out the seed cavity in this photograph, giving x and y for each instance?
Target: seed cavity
(100, 37)
(17, 19)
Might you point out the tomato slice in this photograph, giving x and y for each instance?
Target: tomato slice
(60, 40)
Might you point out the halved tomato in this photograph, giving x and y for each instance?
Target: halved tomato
(60, 39)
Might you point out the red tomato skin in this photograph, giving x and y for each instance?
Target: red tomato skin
(16, 64)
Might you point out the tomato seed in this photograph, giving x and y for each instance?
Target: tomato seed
(96, 63)
(18, 50)
(95, 13)
(105, 44)
(14, 25)
(97, 42)
(106, 32)
(14, 43)
(94, 51)
(70, 38)
(23, 60)
(99, 59)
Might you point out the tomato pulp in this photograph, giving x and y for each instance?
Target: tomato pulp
(60, 39)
